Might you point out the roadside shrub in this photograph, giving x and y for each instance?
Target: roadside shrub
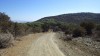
(78, 32)
(6, 40)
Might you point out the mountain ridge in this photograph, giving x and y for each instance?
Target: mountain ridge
(74, 17)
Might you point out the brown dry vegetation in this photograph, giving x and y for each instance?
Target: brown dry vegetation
(80, 46)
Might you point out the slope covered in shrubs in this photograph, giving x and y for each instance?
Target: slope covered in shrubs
(74, 17)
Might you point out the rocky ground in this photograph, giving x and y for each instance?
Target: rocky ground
(81, 46)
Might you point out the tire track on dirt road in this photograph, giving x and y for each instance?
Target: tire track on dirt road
(44, 46)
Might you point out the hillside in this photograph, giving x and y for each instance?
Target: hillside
(74, 17)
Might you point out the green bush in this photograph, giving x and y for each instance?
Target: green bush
(78, 32)
(88, 26)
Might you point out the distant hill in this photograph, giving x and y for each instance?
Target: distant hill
(74, 17)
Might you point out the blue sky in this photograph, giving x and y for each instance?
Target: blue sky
(32, 10)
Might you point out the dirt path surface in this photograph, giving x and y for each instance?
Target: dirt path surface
(20, 46)
(44, 46)
(40, 44)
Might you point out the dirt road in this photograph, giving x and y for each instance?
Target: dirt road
(40, 44)
(44, 46)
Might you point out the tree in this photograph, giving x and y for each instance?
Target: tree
(5, 22)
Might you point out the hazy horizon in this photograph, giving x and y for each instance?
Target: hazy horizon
(32, 10)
